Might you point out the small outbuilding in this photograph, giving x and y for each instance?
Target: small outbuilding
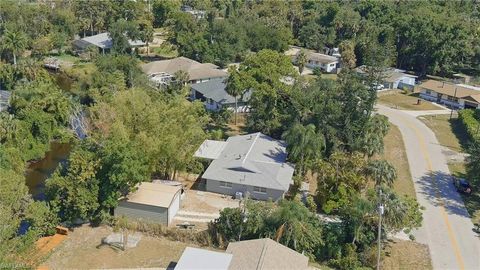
(152, 202)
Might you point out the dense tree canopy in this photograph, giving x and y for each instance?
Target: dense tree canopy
(135, 133)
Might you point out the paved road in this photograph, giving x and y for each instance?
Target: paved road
(447, 228)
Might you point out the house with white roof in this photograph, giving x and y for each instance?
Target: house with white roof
(392, 78)
(252, 165)
(259, 254)
(102, 41)
(202, 259)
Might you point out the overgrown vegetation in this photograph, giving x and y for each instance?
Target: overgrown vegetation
(136, 133)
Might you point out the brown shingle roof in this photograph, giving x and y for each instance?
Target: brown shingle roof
(449, 89)
(195, 70)
(320, 57)
(264, 254)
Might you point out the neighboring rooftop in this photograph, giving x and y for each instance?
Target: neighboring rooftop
(215, 90)
(195, 70)
(202, 259)
(253, 159)
(155, 194)
(104, 41)
(462, 91)
(263, 254)
(389, 75)
(293, 52)
(321, 58)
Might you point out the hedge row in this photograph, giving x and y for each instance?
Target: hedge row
(471, 121)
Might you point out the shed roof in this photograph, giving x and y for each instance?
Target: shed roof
(263, 254)
(215, 90)
(155, 194)
(195, 70)
(253, 159)
(449, 89)
(201, 259)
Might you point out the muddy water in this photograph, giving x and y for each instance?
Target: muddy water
(40, 170)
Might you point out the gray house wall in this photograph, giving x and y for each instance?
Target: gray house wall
(214, 186)
(142, 212)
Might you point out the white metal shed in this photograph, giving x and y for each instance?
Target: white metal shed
(152, 202)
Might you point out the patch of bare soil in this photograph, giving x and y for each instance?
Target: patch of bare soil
(406, 255)
(83, 250)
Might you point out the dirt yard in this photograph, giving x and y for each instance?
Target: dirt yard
(207, 202)
(406, 255)
(82, 250)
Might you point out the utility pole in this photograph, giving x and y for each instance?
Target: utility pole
(379, 237)
(454, 96)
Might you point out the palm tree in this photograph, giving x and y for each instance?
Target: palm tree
(304, 144)
(382, 172)
(301, 61)
(234, 86)
(14, 42)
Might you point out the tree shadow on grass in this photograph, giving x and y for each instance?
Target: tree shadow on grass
(459, 131)
(438, 188)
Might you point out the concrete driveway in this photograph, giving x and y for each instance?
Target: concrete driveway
(447, 228)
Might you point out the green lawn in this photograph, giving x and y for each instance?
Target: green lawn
(449, 132)
(311, 77)
(166, 50)
(406, 102)
(68, 58)
(394, 152)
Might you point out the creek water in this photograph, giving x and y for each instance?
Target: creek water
(38, 171)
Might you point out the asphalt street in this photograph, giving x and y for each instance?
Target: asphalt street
(447, 228)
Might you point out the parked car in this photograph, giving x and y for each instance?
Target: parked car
(462, 185)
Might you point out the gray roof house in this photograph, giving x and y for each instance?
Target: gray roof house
(162, 72)
(214, 96)
(392, 78)
(202, 259)
(251, 165)
(102, 41)
(264, 254)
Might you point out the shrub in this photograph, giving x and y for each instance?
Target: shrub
(471, 121)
